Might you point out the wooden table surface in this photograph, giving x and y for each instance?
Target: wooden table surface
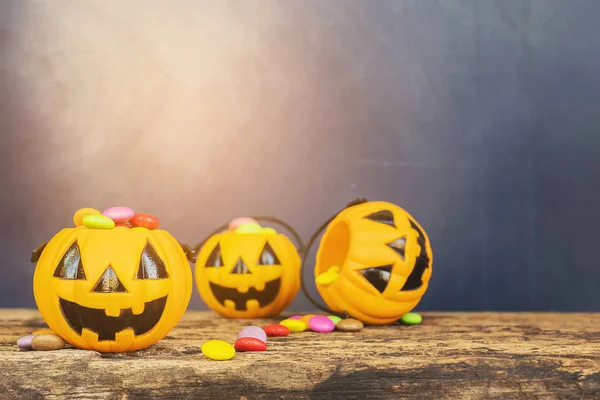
(450, 355)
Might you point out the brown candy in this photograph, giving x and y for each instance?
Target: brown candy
(47, 342)
(349, 325)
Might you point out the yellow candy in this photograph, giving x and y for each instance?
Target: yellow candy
(248, 227)
(329, 277)
(82, 212)
(45, 331)
(269, 231)
(218, 350)
(294, 325)
(98, 221)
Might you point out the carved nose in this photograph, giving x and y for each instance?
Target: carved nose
(109, 283)
(240, 268)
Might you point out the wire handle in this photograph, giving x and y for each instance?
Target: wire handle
(299, 242)
(312, 240)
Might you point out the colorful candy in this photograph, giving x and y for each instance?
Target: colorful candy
(47, 342)
(248, 227)
(328, 277)
(24, 342)
(349, 325)
(295, 317)
(118, 214)
(320, 323)
(334, 318)
(294, 325)
(249, 344)
(218, 350)
(145, 221)
(236, 223)
(307, 318)
(411, 318)
(253, 332)
(276, 330)
(98, 221)
(82, 212)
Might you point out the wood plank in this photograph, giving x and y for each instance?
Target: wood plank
(451, 355)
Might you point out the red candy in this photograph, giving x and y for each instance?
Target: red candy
(249, 344)
(276, 330)
(144, 221)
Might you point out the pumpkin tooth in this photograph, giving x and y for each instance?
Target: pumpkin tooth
(138, 307)
(89, 336)
(252, 305)
(113, 310)
(229, 304)
(243, 288)
(260, 286)
(125, 337)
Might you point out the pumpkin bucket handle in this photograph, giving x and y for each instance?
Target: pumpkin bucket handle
(277, 221)
(299, 242)
(311, 242)
(37, 252)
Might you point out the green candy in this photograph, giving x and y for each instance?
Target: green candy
(411, 318)
(334, 318)
(98, 221)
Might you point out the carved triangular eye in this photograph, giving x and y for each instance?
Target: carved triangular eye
(379, 277)
(398, 246)
(70, 266)
(268, 256)
(151, 266)
(215, 259)
(414, 280)
(383, 217)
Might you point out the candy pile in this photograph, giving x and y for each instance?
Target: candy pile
(250, 338)
(114, 217)
(41, 340)
(322, 324)
(248, 225)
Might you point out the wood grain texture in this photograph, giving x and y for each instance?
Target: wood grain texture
(450, 355)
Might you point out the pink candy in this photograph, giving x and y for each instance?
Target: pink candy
(296, 317)
(233, 225)
(119, 214)
(253, 332)
(322, 324)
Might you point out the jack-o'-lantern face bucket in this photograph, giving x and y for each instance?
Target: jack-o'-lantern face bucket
(250, 274)
(374, 263)
(112, 290)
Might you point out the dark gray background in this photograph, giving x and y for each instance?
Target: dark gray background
(479, 117)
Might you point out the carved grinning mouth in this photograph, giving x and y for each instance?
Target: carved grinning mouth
(106, 327)
(264, 297)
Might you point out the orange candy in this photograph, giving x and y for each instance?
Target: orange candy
(307, 318)
(144, 221)
(82, 212)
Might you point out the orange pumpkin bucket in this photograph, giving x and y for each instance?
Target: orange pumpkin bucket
(245, 270)
(373, 262)
(111, 286)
